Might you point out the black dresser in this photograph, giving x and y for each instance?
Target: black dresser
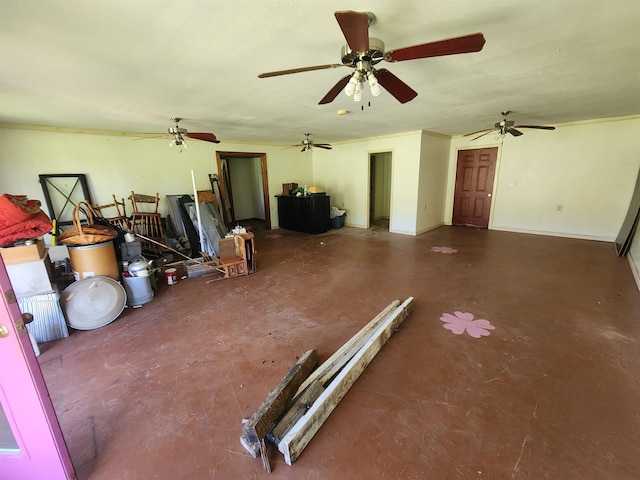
(310, 214)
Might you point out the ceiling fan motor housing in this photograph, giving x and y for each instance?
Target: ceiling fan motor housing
(374, 55)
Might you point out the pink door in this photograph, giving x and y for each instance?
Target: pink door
(31, 442)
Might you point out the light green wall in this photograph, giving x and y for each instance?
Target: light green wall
(575, 181)
(344, 173)
(588, 169)
(118, 163)
(434, 161)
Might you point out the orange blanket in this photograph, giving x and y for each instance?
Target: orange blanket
(20, 219)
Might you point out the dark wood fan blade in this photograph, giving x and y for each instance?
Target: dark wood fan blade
(355, 28)
(396, 87)
(298, 70)
(485, 133)
(333, 93)
(479, 131)
(205, 136)
(452, 46)
(514, 132)
(323, 145)
(539, 127)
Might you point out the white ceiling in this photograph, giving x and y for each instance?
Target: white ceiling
(129, 65)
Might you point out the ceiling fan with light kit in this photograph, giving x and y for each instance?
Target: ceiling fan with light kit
(307, 144)
(178, 133)
(362, 53)
(506, 126)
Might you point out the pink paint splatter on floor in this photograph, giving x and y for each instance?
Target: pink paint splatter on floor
(460, 322)
(448, 250)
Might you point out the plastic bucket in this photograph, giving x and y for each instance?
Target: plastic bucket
(172, 276)
(94, 260)
(138, 290)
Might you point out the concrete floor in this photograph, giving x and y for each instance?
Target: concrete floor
(553, 392)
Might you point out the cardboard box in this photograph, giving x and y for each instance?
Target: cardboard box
(24, 253)
(288, 187)
(31, 278)
(205, 196)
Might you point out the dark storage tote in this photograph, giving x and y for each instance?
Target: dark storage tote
(338, 222)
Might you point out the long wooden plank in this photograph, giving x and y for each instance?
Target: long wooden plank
(278, 399)
(299, 436)
(332, 365)
(300, 406)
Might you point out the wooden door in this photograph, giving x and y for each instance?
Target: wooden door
(31, 443)
(474, 187)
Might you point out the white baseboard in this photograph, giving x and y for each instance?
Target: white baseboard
(557, 234)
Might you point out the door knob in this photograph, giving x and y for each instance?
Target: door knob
(488, 194)
(4, 331)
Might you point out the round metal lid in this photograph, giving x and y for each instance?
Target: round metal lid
(93, 302)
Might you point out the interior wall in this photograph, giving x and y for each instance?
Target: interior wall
(575, 181)
(434, 161)
(343, 173)
(117, 163)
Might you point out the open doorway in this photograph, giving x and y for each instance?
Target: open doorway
(245, 189)
(380, 190)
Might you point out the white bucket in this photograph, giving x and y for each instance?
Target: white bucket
(138, 289)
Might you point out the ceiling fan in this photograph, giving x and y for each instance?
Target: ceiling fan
(506, 126)
(179, 133)
(362, 53)
(308, 144)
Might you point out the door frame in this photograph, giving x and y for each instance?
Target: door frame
(265, 180)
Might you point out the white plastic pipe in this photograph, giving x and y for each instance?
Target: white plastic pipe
(195, 196)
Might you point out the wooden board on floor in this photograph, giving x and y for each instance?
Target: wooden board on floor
(295, 412)
(278, 399)
(339, 359)
(299, 436)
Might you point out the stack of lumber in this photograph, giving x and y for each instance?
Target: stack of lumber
(295, 410)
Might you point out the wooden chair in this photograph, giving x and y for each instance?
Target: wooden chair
(145, 219)
(120, 219)
(139, 199)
